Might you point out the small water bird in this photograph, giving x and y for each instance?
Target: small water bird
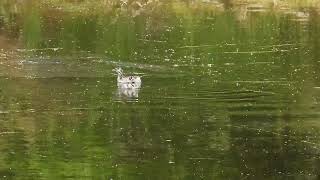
(127, 82)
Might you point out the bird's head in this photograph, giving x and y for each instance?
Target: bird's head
(118, 70)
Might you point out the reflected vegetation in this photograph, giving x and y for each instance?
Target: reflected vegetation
(230, 89)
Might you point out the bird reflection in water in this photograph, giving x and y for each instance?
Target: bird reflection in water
(128, 93)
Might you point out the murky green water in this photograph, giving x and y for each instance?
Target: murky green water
(228, 92)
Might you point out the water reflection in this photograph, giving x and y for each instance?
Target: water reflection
(232, 90)
(128, 93)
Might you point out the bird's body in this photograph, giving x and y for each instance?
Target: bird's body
(127, 82)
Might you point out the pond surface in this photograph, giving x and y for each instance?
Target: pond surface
(227, 93)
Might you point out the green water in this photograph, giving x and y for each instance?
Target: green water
(226, 94)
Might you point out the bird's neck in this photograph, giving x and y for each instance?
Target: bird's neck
(120, 75)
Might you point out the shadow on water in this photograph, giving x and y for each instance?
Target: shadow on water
(230, 91)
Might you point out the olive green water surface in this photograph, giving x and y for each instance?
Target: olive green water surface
(227, 93)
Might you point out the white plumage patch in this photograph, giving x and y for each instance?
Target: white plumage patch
(127, 82)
